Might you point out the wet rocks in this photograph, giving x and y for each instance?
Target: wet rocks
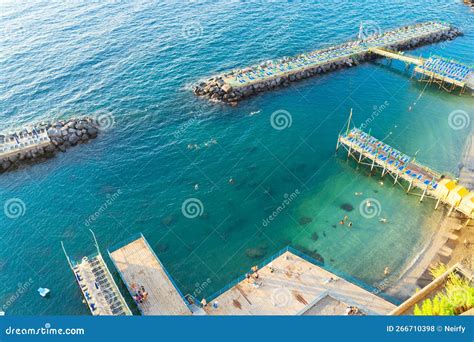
(44, 141)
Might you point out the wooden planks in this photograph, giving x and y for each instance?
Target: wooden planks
(139, 266)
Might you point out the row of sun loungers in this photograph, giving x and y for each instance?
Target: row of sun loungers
(19, 145)
(392, 157)
(342, 51)
(445, 68)
(102, 284)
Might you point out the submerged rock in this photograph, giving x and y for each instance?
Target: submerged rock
(347, 207)
(304, 220)
(256, 252)
(168, 220)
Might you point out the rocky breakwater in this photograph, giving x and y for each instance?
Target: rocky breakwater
(217, 89)
(44, 141)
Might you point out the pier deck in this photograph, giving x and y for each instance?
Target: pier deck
(276, 69)
(370, 151)
(97, 284)
(99, 288)
(139, 266)
(24, 141)
(291, 285)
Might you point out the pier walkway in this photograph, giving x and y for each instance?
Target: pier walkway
(275, 69)
(368, 150)
(97, 285)
(234, 85)
(140, 267)
(397, 55)
(293, 284)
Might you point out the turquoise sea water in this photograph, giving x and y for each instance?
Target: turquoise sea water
(136, 63)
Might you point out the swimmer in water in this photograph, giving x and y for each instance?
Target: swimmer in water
(231, 181)
(386, 271)
(196, 187)
(383, 220)
(349, 224)
(368, 203)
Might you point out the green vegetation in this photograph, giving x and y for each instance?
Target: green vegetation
(456, 297)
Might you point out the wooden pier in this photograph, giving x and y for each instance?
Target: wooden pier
(292, 284)
(140, 267)
(97, 285)
(368, 150)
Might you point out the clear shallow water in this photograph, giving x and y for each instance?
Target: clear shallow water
(137, 62)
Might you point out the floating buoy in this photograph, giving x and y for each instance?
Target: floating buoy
(43, 291)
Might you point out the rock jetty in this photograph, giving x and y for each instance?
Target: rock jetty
(219, 89)
(44, 141)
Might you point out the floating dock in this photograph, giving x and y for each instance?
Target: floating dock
(139, 267)
(232, 86)
(97, 285)
(368, 150)
(291, 283)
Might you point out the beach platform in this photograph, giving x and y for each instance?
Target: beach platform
(370, 151)
(293, 284)
(139, 266)
(97, 285)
